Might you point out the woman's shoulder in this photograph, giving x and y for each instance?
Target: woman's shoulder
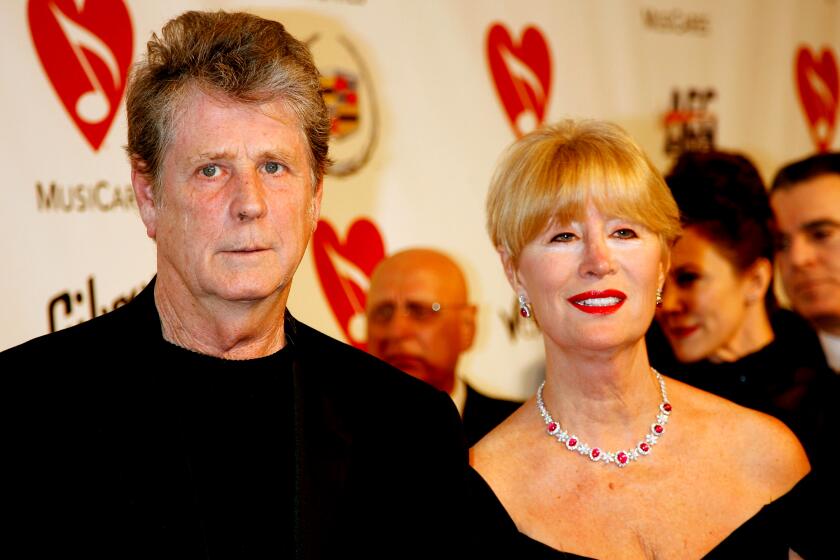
(762, 448)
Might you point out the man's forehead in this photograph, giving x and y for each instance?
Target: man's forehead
(817, 199)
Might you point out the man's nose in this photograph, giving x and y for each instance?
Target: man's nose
(249, 197)
(801, 251)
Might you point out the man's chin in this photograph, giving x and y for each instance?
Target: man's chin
(415, 367)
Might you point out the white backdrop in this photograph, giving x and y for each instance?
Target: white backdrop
(435, 89)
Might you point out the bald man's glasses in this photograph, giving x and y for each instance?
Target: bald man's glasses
(417, 311)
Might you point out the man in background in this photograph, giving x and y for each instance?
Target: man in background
(805, 196)
(419, 319)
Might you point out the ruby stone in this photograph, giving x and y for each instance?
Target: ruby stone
(552, 426)
(644, 447)
(667, 407)
(658, 429)
(595, 453)
(621, 457)
(523, 312)
(572, 442)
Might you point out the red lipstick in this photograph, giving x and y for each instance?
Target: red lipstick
(598, 302)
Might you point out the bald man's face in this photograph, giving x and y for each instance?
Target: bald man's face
(418, 319)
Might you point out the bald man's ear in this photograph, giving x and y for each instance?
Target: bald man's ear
(467, 327)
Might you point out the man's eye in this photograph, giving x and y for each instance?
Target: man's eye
(625, 233)
(210, 171)
(823, 233)
(273, 167)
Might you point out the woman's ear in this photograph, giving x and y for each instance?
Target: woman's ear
(757, 280)
(509, 265)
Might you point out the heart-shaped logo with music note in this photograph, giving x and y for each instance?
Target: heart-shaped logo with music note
(85, 47)
(522, 75)
(816, 79)
(344, 270)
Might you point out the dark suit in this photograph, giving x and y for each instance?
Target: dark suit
(483, 413)
(118, 444)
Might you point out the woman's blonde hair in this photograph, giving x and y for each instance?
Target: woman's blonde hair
(551, 174)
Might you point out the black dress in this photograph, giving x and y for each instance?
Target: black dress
(783, 524)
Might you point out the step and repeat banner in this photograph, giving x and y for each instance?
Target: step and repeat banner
(426, 94)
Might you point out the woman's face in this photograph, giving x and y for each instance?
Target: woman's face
(591, 283)
(705, 301)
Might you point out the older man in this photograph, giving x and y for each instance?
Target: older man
(806, 201)
(202, 420)
(420, 320)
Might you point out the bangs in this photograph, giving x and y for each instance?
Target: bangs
(551, 175)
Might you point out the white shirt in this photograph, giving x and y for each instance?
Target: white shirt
(831, 347)
(459, 395)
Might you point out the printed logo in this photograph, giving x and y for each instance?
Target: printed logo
(522, 75)
(817, 83)
(85, 47)
(348, 92)
(344, 270)
(689, 124)
(72, 307)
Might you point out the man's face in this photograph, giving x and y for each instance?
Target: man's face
(237, 206)
(418, 320)
(808, 216)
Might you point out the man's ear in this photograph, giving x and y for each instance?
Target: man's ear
(144, 195)
(467, 327)
(316, 203)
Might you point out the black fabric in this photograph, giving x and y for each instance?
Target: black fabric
(785, 523)
(117, 444)
(789, 379)
(483, 413)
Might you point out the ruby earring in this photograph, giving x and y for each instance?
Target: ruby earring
(524, 307)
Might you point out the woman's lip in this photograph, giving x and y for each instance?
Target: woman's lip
(682, 332)
(598, 302)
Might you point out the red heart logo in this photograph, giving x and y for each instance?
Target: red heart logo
(817, 81)
(344, 271)
(85, 48)
(522, 75)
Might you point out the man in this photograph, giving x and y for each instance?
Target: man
(202, 420)
(419, 320)
(806, 201)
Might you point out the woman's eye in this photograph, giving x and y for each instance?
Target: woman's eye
(273, 167)
(625, 233)
(686, 278)
(210, 171)
(564, 237)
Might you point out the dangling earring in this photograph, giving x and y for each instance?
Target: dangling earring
(524, 307)
(658, 297)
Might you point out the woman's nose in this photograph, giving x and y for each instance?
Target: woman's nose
(597, 258)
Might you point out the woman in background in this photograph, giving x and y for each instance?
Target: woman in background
(611, 459)
(719, 315)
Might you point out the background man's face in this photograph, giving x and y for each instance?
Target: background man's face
(237, 207)
(808, 216)
(405, 331)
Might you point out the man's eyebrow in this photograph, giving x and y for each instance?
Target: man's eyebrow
(819, 224)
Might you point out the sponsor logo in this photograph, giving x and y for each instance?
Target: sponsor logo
(98, 197)
(690, 125)
(85, 48)
(521, 73)
(676, 21)
(350, 97)
(72, 307)
(819, 94)
(344, 271)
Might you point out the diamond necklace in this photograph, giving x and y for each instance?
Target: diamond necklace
(621, 457)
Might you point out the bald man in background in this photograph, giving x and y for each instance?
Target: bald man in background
(419, 320)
